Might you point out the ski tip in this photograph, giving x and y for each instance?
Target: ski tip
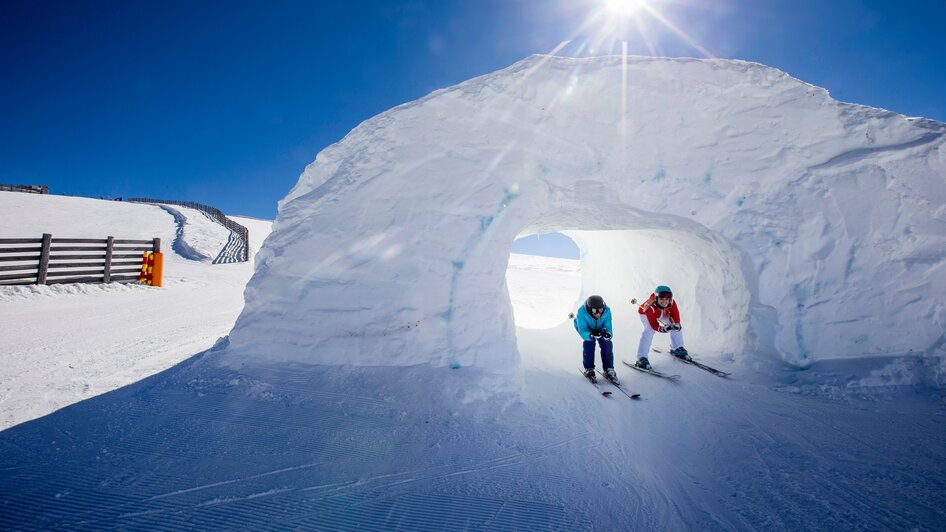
(606, 394)
(635, 396)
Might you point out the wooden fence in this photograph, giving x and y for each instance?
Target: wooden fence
(51, 260)
(241, 234)
(34, 189)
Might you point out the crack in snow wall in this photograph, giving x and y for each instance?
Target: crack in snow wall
(799, 223)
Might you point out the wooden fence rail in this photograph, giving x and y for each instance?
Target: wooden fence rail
(89, 260)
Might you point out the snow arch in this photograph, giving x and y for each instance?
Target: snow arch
(797, 222)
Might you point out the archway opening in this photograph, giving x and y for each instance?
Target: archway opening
(624, 266)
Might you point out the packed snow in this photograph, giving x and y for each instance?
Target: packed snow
(394, 368)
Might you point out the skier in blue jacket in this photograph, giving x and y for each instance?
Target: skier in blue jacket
(593, 323)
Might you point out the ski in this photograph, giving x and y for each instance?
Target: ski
(606, 393)
(619, 386)
(714, 371)
(653, 372)
(700, 365)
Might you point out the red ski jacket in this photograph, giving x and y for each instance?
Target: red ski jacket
(667, 315)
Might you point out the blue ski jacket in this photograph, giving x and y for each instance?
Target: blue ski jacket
(585, 322)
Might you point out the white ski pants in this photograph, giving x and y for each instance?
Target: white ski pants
(647, 338)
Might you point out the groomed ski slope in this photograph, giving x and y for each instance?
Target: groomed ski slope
(421, 448)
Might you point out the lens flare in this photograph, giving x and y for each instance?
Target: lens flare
(624, 8)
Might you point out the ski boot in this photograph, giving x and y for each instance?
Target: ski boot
(681, 352)
(590, 375)
(643, 363)
(611, 375)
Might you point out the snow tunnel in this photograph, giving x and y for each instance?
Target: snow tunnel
(624, 265)
(623, 258)
(731, 181)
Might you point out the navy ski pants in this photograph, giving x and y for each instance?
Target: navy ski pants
(607, 355)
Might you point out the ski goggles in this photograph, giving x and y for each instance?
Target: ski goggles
(597, 310)
(664, 295)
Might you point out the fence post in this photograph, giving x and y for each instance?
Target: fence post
(157, 245)
(107, 277)
(44, 259)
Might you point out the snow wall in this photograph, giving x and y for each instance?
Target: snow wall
(786, 222)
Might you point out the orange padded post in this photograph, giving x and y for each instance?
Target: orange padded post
(157, 269)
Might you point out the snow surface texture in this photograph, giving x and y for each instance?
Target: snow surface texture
(69, 342)
(784, 220)
(404, 448)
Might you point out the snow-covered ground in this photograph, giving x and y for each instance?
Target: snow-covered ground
(343, 448)
(64, 343)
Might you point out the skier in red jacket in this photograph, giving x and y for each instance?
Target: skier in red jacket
(660, 314)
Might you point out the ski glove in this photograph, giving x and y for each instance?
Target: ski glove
(606, 335)
(674, 327)
(596, 334)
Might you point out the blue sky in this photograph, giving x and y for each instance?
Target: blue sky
(226, 102)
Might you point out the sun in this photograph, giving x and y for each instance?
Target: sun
(624, 8)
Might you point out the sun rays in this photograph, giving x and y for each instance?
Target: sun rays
(625, 28)
(610, 23)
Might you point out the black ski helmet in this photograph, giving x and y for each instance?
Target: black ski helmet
(595, 302)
